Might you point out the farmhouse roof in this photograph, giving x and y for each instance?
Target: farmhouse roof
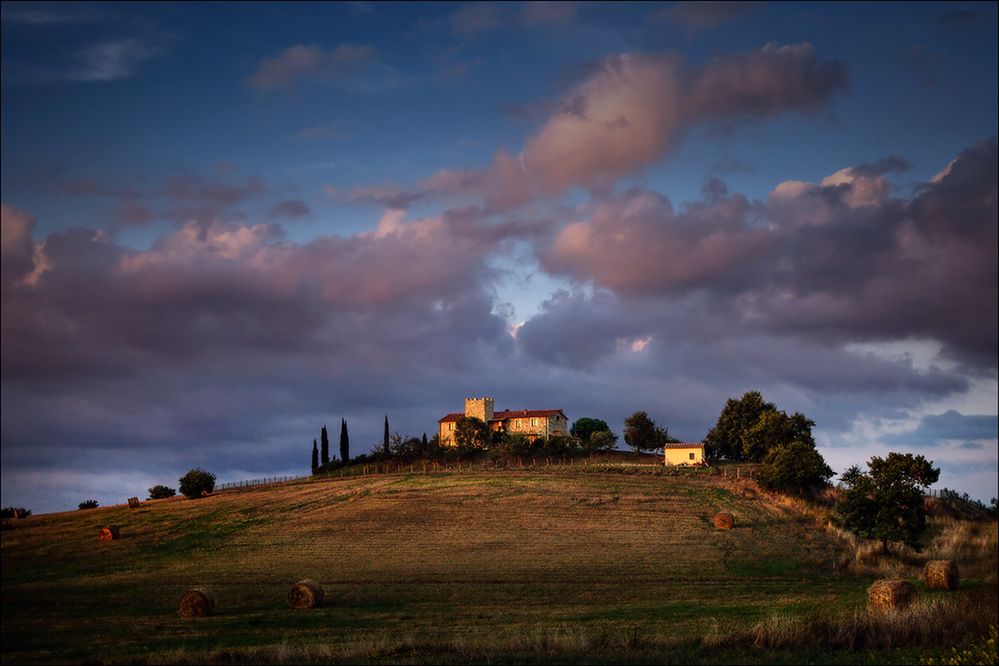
(684, 445)
(508, 414)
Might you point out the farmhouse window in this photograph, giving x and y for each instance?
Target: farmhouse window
(691, 456)
(534, 422)
(450, 426)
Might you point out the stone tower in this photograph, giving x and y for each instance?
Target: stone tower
(480, 408)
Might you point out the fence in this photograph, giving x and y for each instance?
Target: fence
(229, 485)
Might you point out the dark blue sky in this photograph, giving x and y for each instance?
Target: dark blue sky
(225, 224)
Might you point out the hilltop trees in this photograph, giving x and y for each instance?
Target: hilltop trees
(724, 441)
(344, 441)
(385, 440)
(197, 482)
(161, 492)
(886, 502)
(315, 457)
(748, 428)
(642, 434)
(324, 437)
(89, 504)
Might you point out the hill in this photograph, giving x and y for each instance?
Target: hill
(417, 566)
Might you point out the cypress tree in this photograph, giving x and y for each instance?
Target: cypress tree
(315, 457)
(425, 442)
(344, 441)
(326, 445)
(385, 442)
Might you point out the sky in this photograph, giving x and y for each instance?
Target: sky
(225, 225)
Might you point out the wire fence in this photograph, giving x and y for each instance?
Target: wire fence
(249, 483)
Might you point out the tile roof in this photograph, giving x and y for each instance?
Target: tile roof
(509, 414)
(684, 445)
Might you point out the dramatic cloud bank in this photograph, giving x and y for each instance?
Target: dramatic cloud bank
(836, 262)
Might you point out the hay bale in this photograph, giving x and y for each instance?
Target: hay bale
(941, 575)
(133, 502)
(888, 595)
(197, 602)
(723, 521)
(109, 533)
(306, 593)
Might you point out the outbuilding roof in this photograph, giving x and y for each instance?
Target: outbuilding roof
(684, 445)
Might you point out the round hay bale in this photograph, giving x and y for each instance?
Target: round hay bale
(198, 602)
(306, 593)
(941, 575)
(109, 533)
(723, 521)
(888, 595)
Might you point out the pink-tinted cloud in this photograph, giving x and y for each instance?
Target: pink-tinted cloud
(633, 110)
(698, 16)
(843, 260)
(635, 243)
(216, 287)
(549, 13)
(475, 18)
(300, 63)
(17, 247)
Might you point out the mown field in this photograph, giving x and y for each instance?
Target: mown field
(516, 565)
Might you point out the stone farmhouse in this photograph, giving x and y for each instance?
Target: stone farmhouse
(684, 454)
(534, 423)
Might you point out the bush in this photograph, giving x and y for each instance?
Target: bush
(161, 492)
(89, 504)
(14, 512)
(196, 483)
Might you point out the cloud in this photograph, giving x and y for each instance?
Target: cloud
(309, 63)
(475, 18)
(934, 429)
(699, 16)
(835, 262)
(548, 13)
(112, 61)
(634, 243)
(631, 111)
(292, 208)
(17, 247)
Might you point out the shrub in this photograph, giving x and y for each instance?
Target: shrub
(197, 482)
(89, 504)
(161, 492)
(14, 512)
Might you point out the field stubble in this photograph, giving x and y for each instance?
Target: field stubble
(478, 559)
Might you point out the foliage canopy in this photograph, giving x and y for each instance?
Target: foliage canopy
(886, 502)
(196, 483)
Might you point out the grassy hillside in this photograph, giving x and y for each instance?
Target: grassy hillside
(518, 560)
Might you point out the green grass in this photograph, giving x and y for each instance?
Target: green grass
(489, 560)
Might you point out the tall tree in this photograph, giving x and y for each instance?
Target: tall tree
(344, 441)
(642, 434)
(424, 442)
(325, 444)
(385, 439)
(315, 457)
(724, 440)
(886, 502)
(775, 428)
